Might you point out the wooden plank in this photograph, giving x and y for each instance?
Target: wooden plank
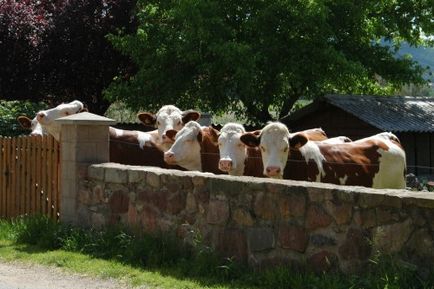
(431, 161)
(33, 144)
(6, 184)
(13, 187)
(2, 180)
(49, 189)
(44, 176)
(28, 186)
(38, 163)
(18, 178)
(56, 179)
(423, 152)
(26, 178)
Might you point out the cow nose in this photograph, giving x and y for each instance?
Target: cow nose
(225, 165)
(272, 171)
(169, 157)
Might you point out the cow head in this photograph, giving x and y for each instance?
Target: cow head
(186, 149)
(169, 117)
(31, 124)
(273, 142)
(233, 151)
(47, 117)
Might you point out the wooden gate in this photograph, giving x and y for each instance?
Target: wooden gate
(29, 176)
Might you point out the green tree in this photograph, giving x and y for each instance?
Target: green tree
(254, 57)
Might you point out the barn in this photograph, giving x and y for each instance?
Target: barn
(358, 116)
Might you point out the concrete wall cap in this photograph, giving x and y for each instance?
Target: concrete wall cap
(85, 118)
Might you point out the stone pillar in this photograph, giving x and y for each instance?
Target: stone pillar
(84, 140)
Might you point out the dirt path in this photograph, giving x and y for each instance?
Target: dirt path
(30, 276)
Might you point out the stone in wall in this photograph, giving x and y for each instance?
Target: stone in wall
(260, 239)
(391, 238)
(293, 238)
(356, 245)
(317, 217)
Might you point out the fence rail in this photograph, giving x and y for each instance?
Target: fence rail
(29, 176)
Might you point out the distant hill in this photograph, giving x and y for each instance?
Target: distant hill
(423, 55)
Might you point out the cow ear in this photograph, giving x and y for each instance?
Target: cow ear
(147, 118)
(171, 133)
(250, 139)
(188, 115)
(25, 122)
(297, 141)
(257, 132)
(84, 109)
(214, 134)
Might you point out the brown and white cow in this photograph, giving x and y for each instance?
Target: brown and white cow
(31, 124)
(194, 148)
(377, 161)
(44, 121)
(168, 117)
(133, 147)
(237, 159)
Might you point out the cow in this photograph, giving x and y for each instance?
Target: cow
(377, 161)
(238, 159)
(194, 148)
(169, 117)
(132, 147)
(31, 124)
(44, 121)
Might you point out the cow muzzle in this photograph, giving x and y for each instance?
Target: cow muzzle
(273, 172)
(225, 165)
(169, 157)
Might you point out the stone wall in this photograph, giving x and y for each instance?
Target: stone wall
(261, 221)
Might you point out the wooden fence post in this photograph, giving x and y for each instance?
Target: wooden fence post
(84, 140)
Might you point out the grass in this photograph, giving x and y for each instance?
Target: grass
(161, 262)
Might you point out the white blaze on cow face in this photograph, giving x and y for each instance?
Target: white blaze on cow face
(274, 146)
(47, 117)
(233, 151)
(169, 117)
(185, 151)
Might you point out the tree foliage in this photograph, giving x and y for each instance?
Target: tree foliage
(57, 50)
(253, 57)
(9, 110)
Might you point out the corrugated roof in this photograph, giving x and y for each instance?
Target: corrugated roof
(388, 113)
(392, 113)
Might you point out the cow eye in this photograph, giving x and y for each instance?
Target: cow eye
(262, 148)
(179, 122)
(158, 123)
(219, 144)
(285, 149)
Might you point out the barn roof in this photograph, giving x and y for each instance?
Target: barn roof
(393, 113)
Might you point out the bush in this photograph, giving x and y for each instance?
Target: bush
(10, 110)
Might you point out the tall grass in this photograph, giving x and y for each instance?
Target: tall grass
(167, 254)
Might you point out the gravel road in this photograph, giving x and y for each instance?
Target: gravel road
(29, 276)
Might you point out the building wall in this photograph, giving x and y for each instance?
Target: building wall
(335, 122)
(261, 221)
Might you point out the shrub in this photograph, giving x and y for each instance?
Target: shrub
(10, 110)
